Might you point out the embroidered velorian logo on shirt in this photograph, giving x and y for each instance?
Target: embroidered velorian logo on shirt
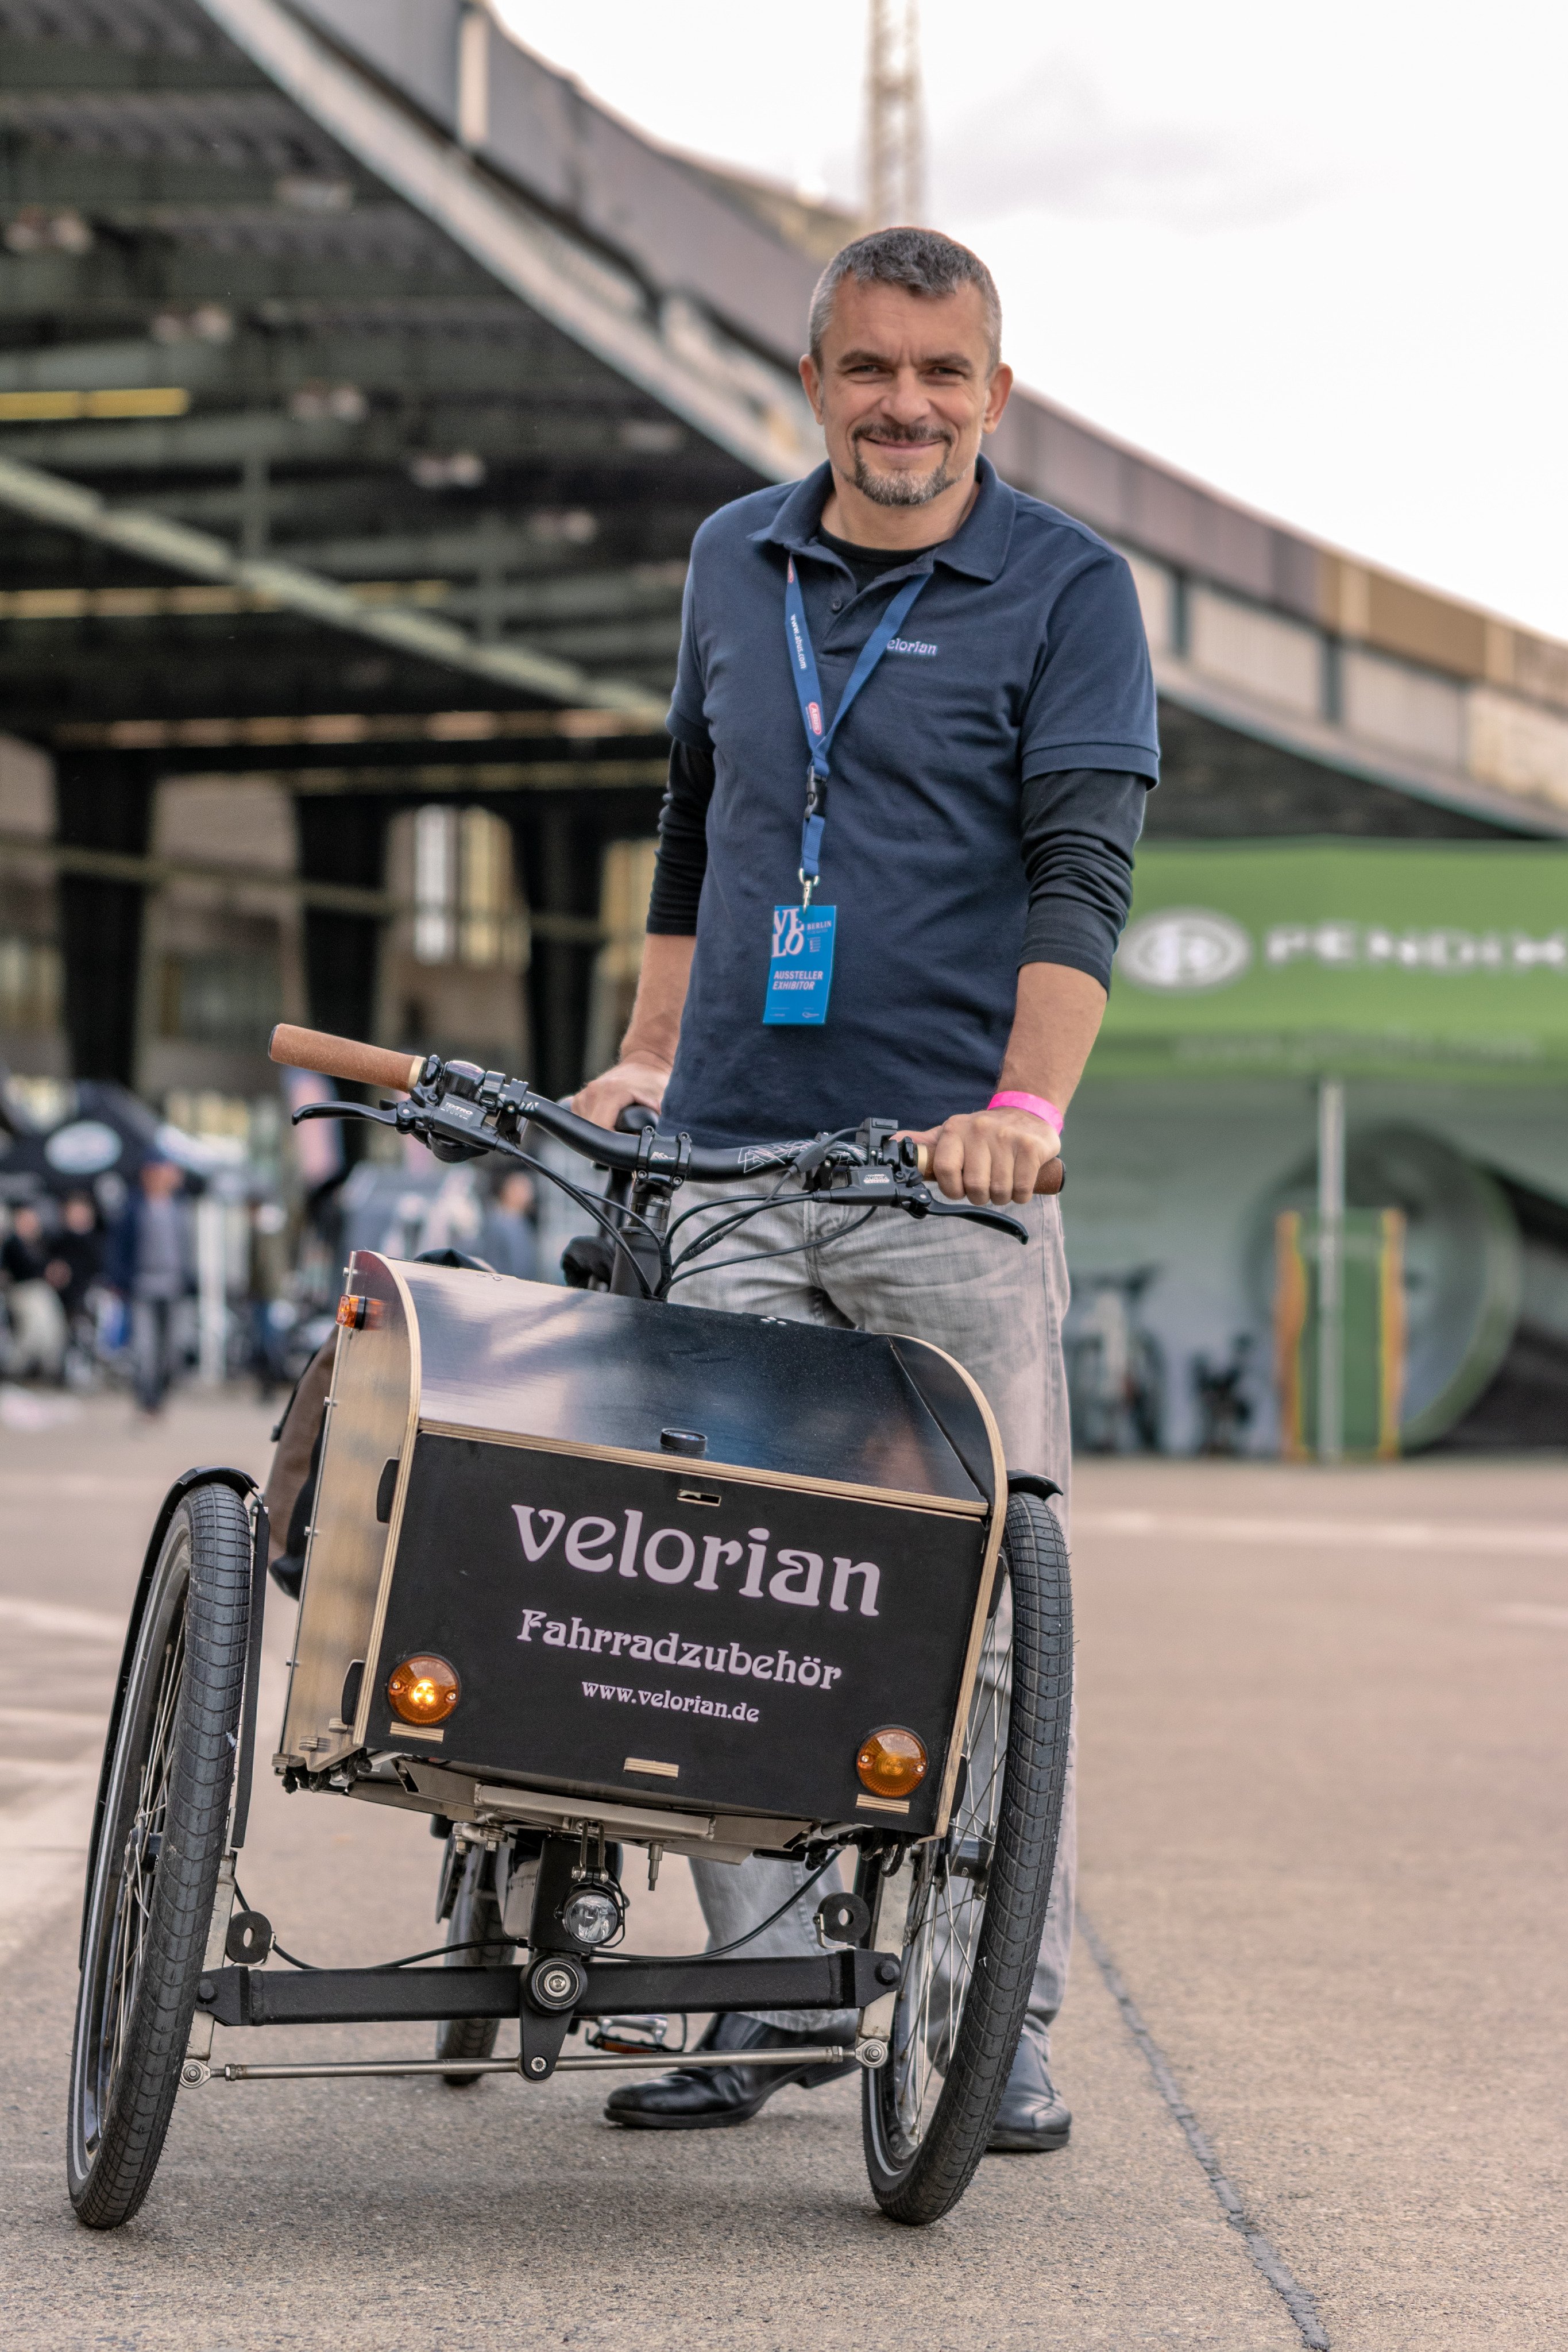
(909, 645)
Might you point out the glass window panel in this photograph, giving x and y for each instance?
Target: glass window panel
(435, 881)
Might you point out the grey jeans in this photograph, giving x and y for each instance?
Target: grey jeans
(999, 1310)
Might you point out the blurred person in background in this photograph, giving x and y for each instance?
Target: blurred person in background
(76, 1269)
(153, 1265)
(76, 1252)
(271, 1310)
(38, 1330)
(509, 1239)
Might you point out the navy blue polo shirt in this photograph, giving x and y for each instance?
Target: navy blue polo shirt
(1025, 655)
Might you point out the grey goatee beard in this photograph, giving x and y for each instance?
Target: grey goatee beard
(903, 489)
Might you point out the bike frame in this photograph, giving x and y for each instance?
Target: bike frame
(461, 1112)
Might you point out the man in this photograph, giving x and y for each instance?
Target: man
(152, 1264)
(966, 820)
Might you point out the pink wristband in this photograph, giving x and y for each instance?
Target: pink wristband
(1035, 1105)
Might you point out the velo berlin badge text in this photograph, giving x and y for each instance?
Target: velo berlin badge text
(800, 970)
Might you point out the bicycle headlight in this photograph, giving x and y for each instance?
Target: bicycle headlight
(423, 1690)
(593, 1916)
(891, 1762)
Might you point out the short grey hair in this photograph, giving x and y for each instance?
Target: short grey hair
(922, 260)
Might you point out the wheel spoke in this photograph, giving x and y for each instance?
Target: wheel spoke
(976, 1901)
(946, 1911)
(124, 1951)
(158, 1849)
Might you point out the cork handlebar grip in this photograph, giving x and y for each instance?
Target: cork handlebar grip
(1051, 1177)
(342, 1057)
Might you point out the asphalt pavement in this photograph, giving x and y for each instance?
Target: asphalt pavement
(1314, 2042)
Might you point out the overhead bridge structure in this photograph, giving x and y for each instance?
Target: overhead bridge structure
(362, 385)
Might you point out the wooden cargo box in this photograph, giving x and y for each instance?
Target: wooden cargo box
(696, 1638)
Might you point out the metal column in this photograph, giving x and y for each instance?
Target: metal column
(1331, 1269)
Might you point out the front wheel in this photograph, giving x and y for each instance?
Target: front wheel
(474, 1922)
(154, 1877)
(975, 1903)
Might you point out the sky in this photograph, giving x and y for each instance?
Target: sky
(1313, 256)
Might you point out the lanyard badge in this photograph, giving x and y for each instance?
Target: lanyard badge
(800, 970)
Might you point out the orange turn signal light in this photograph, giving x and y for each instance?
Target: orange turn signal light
(353, 1313)
(892, 1763)
(423, 1690)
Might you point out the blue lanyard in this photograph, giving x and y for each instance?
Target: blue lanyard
(808, 693)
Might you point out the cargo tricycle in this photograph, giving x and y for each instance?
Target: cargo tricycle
(585, 1581)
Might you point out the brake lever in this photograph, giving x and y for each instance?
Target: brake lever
(408, 1119)
(343, 1110)
(997, 1219)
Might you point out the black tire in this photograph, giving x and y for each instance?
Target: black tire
(980, 1899)
(154, 1879)
(475, 1916)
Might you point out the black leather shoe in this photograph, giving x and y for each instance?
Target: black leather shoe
(1031, 2120)
(709, 2098)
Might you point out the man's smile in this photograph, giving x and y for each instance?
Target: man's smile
(887, 437)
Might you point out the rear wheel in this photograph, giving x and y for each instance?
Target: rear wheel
(154, 1879)
(474, 1920)
(976, 1902)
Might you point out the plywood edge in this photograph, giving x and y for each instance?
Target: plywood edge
(287, 1737)
(344, 1532)
(394, 1524)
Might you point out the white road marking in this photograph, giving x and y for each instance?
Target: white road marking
(43, 1853)
(68, 1624)
(1520, 1540)
(45, 1825)
(1531, 1613)
(44, 1775)
(76, 1481)
(50, 1718)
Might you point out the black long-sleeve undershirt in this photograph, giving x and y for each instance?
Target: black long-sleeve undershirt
(1077, 829)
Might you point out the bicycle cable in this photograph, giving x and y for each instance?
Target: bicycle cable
(718, 1951)
(753, 1257)
(377, 1968)
(763, 1200)
(484, 1943)
(602, 1216)
(736, 1214)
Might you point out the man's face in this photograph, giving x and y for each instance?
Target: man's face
(904, 390)
(159, 1179)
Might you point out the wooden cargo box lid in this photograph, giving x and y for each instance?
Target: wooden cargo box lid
(587, 1372)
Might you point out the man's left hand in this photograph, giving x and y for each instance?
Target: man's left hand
(989, 1155)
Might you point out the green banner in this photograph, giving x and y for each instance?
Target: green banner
(1433, 959)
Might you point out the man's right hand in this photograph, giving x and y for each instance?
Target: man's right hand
(636, 1080)
(648, 1049)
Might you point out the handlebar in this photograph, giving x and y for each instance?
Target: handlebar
(478, 1110)
(344, 1057)
(376, 1066)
